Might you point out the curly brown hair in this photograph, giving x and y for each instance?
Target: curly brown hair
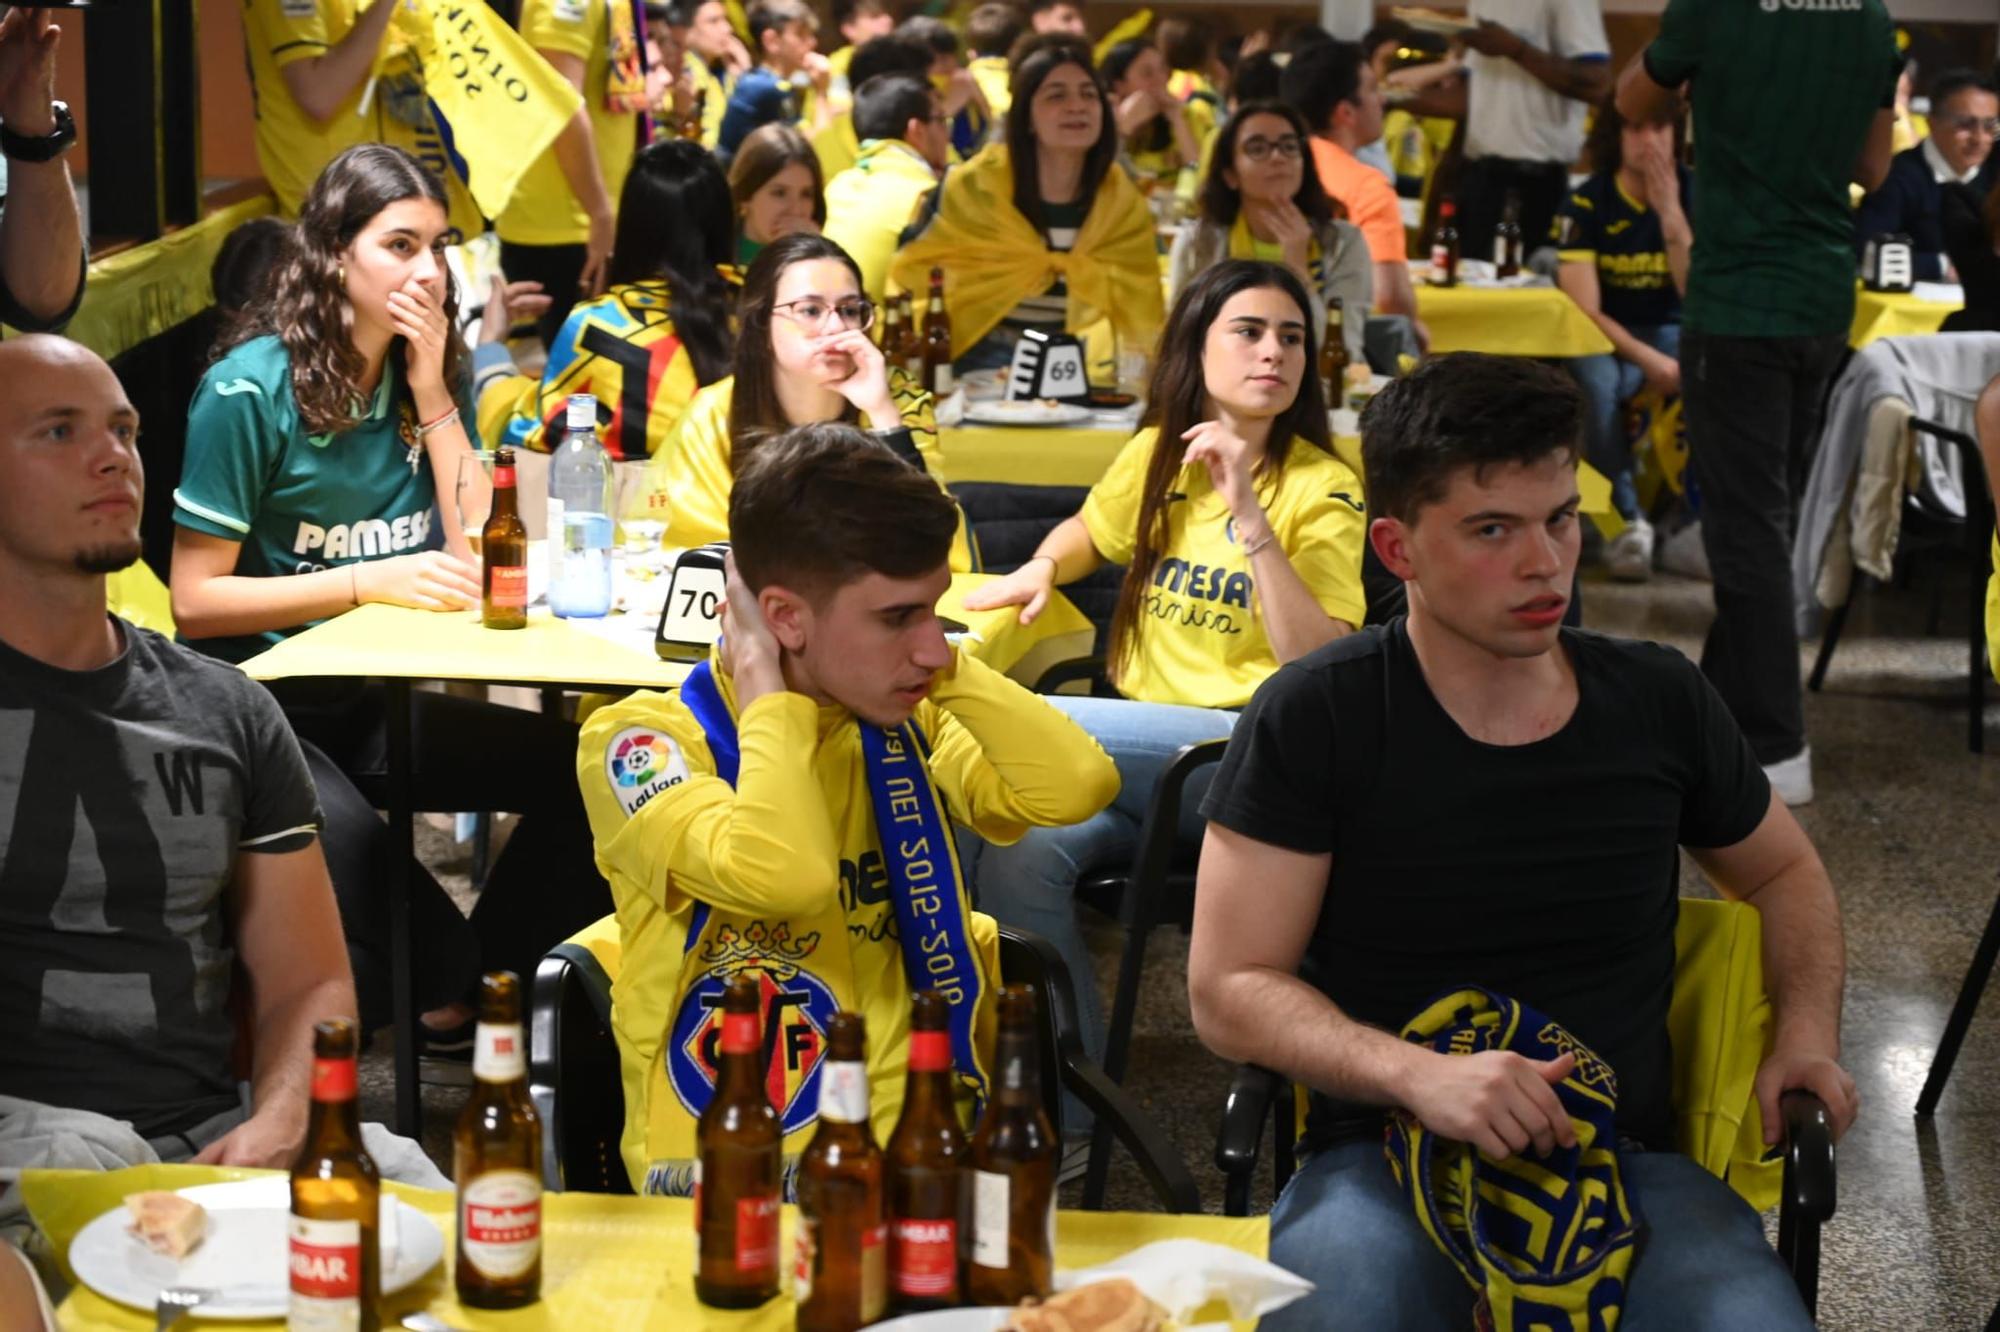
(306, 306)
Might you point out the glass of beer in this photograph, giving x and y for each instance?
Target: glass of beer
(472, 500)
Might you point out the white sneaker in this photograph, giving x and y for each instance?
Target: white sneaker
(1629, 557)
(1792, 778)
(1682, 554)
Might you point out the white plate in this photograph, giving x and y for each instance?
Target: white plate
(983, 385)
(244, 1256)
(1033, 413)
(947, 1320)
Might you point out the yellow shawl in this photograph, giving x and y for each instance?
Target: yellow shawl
(994, 258)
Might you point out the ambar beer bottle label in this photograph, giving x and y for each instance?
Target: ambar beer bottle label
(500, 1222)
(757, 1234)
(326, 1275)
(926, 1257)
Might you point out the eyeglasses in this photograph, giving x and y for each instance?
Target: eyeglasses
(1258, 149)
(811, 311)
(1987, 125)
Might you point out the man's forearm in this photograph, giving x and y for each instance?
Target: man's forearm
(576, 154)
(1580, 80)
(1258, 1015)
(281, 1076)
(326, 81)
(1805, 963)
(41, 237)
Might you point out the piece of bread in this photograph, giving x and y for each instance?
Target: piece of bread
(166, 1222)
(1115, 1305)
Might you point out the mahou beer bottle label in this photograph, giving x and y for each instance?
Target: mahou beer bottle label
(990, 1212)
(326, 1272)
(497, 1052)
(500, 1223)
(333, 1080)
(926, 1257)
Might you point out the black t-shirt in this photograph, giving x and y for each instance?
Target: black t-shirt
(1547, 872)
(125, 795)
(1600, 224)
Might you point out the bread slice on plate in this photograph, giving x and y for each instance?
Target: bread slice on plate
(166, 1222)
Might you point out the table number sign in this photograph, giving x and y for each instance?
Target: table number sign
(691, 619)
(1048, 365)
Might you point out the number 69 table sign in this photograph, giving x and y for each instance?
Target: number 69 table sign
(691, 620)
(1048, 365)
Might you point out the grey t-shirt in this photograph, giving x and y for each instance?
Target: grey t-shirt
(126, 794)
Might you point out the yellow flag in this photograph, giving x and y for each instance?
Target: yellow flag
(496, 103)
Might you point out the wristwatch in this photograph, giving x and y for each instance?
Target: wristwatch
(40, 147)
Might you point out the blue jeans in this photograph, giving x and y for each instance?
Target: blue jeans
(1032, 884)
(1608, 383)
(1702, 1260)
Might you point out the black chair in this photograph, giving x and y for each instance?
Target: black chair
(1926, 529)
(1969, 990)
(1808, 1193)
(573, 1075)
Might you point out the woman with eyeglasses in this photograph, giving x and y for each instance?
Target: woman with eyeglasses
(776, 183)
(1044, 230)
(1262, 200)
(803, 355)
(1241, 536)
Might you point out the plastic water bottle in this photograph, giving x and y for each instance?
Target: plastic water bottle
(579, 527)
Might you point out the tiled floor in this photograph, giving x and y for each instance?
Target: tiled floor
(1905, 821)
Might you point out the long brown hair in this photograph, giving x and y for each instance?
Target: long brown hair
(307, 308)
(1034, 59)
(755, 414)
(765, 152)
(1178, 401)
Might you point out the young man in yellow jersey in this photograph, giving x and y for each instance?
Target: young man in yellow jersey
(309, 62)
(905, 144)
(742, 821)
(557, 228)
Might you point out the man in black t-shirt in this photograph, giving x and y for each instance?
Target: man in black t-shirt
(1476, 796)
(157, 824)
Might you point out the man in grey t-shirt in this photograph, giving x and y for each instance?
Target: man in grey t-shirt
(157, 823)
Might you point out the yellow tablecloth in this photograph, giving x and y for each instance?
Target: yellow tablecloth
(607, 1263)
(1507, 321)
(1886, 314)
(142, 292)
(396, 642)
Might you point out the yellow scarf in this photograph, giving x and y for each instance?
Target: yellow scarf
(1243, 245)
(994, 258)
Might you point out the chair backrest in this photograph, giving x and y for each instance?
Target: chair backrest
(573, 1075)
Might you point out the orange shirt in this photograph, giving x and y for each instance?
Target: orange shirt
(1370, 199)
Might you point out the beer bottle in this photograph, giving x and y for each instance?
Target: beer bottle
(737, 1166)
(1014, 1159)
(1444, 246)
(1507, 237)
(1333, 353)
(892, 328)
(336, 1270)
(497, 1161)
(927, 1178)
(503, 555)
(910, 346)
(841, 1276)
(691, 122)
(937, 339)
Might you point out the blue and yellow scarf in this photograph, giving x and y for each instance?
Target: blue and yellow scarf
(1547, 1242)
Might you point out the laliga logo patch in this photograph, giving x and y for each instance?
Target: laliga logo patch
(641, 763)
(797, 1010)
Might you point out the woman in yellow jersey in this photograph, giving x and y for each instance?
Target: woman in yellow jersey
(662, 330)
(802, 355)
(1241, 534)
(1044, 230)
(1160, 134)
(1260, 202)
(775, 181)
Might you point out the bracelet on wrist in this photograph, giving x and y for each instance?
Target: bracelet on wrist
(438, 423)
(1251, 550)
(1054, 567)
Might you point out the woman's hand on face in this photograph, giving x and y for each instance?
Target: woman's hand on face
(1028, 587)
(427, 580)
(419, 317)
(1284, 223)
(1230, 461)
(867, 385)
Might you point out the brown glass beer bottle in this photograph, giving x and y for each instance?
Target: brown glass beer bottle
(336, 1271)
(1507, 238)
(841, 1274)
(1333, 353)
(937, 339)
(737, 1166)
(1444, 246)
(497, 1161)
(503, 555)
(1014, 1158)
(910, 342)
(927, 1179)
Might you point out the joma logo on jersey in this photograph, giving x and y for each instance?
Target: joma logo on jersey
(365, 539)
(797, 1009)
(1203, 582)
